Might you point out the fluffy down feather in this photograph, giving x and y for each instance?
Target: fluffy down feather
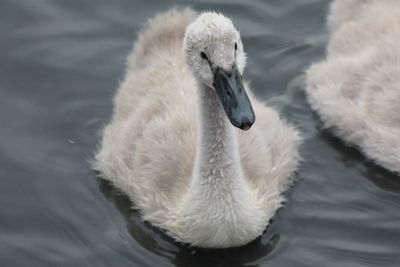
(356, 90)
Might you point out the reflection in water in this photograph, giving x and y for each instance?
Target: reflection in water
(382, 178)
(352, 157)
(184, 255)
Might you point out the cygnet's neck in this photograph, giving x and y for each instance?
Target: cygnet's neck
(219, 209)
(217, 162)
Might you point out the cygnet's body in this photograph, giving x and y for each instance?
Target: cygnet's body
(356, 90)
(171, 145)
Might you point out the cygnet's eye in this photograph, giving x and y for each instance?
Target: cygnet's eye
(203, 55)
(235, 46)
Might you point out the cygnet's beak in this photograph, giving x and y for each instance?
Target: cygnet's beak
(231, 92)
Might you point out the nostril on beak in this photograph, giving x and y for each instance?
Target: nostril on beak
(245, 123)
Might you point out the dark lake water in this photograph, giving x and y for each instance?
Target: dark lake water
(60, 62)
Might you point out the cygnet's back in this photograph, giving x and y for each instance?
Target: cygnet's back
(154, 115)
(356, 90)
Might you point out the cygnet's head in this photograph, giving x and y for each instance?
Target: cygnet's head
(214, 53)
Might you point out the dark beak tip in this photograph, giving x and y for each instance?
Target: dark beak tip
(245, 128)
(246, 123)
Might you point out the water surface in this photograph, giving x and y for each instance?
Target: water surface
(60, 62)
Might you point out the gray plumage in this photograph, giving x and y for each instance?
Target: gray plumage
(171, 148)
